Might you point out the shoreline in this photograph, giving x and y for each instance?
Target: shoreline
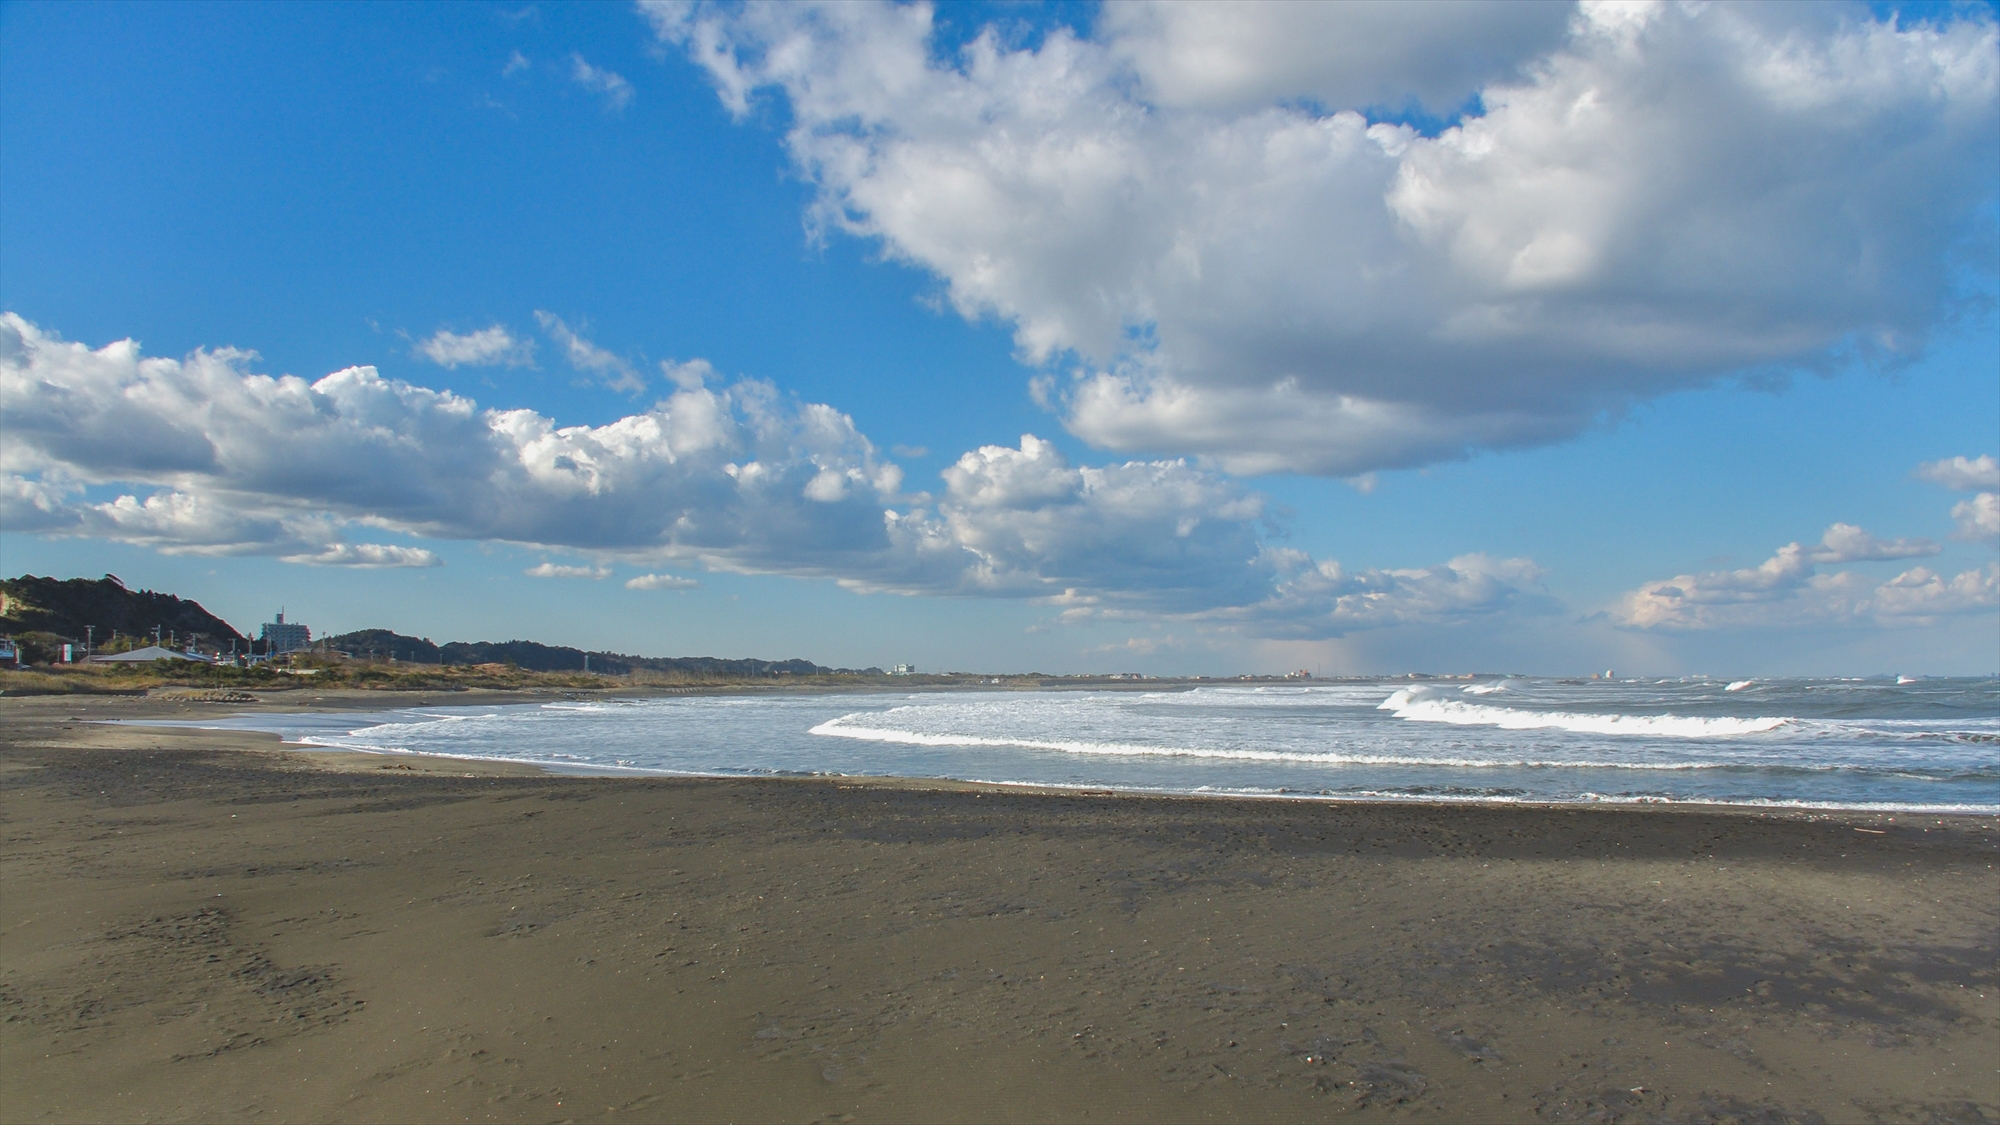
(364, 701)
(209, 925)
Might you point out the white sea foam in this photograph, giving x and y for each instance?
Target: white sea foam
(1739, 685)
(842, 728)
(1418, 705)
(1842, 745)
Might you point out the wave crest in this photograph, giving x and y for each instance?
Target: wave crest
(1424, 705)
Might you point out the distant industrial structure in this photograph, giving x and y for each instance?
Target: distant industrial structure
(284, 636)
(904, 670)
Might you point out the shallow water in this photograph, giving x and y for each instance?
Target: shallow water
(1931, 745)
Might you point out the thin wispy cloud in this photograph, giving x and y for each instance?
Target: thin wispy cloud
(609, 368)
(610, 85)
(660, 582)
(493, 346)
(555, 570)
(367, 556)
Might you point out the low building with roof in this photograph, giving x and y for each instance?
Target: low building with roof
(148, 654)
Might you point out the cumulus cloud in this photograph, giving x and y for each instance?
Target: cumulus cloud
(554, 570)
(488, 347)
(1963, 474)
(246, 463)
(612, 86)
(590, 359)
(1788, 589)
(735, 477)
(660, 582)
(1323, 599)
(1150, 539)
(1844, 543)
(1189, 212)
(1978, 518)
(177, 522)
(1251, 53)
(689, 376)
(1921, 595)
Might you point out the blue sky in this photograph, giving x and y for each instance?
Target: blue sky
(1346, 359)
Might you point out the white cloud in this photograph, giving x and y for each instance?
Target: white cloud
(1978, 518)
(660, 582)
(1151, 536)
(1963, 474)
(1788, 590)
(516, 63)
(488, 347)
(553, 570)
(367, 556)
(247, 463)
(1251, 53)
(590, 359)
(734, 477)
(176, 522)
(689, 376)
(1324, 599)
(1648, 198)
(616, 91)
(1921, 595)
(1142, 646)
(1164, 539)
(1844, 542)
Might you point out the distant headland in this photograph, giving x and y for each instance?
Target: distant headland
(85, 635)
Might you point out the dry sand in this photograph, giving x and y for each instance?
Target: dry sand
(201, 926)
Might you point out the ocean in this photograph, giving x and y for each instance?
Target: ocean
(1930, 745)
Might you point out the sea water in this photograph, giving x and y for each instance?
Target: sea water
(1929, 745)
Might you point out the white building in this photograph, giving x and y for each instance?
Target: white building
(284, 636)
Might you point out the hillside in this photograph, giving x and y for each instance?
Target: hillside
(64, 607)
(383, 643)
(61, 608)
(536, 657)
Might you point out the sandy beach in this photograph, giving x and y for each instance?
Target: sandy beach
(209, 926)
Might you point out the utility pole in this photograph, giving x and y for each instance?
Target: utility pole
(156, 636)
(89, 636)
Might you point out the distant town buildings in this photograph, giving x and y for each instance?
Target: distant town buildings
(904, 670)
(285, 636)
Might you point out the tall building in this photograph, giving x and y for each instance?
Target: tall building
(283, 636)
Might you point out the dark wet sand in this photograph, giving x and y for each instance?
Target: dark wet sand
(199, 926)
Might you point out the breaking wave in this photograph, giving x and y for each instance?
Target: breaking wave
(1423, 705)
(842, 728)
